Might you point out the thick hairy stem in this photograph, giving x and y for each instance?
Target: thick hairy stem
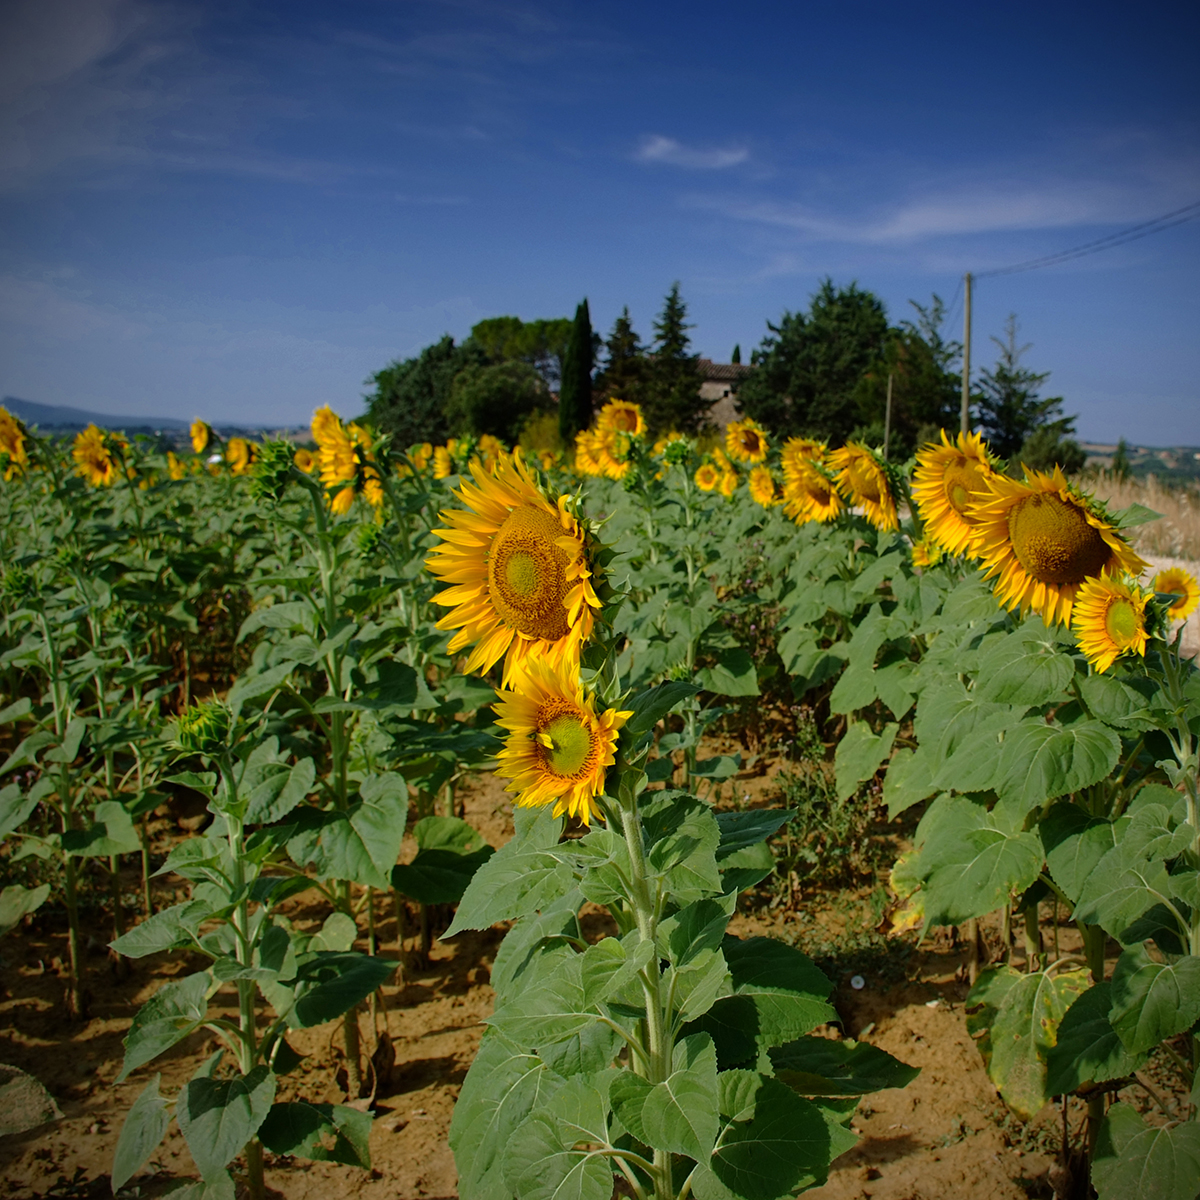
(76, 997)
(351, 1041)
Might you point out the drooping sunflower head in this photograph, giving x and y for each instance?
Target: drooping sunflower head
(1109, 619)
(520, 570)
(863, 482)
(587, 453)
(239, 454)
(14, 453)
(810, 493)
(763, 489)
(949, 478)
(798, 450)
(707, 476)
(202, 435)
(443, 463)
(622, 416)
(728, 484)
(558, 748)
(98, 456)
(305, 461)
(746, 441)
(1175, 581)
(1040, 539)
(612, 450)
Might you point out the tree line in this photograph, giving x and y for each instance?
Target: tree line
(819, 372)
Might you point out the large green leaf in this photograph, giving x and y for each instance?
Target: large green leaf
(859, 755)
(1153, 1000)
(772, 1142)
(174, 1011)
(549, 1011)
(1016, 1021)
(742, 829)
(544, 1163)
(1027, 668)
(1039, 762)
(1136, 1161)
(448, 855)
(15, 807)
(17, 902)
(1122, 885)
(817, 1066)
(330, 982)
(967, 733)
(322, 1132)
(684, 851)
(680, 1114)
(112, 832)
(1074, 843)
(1088, 1049)
(219, 1116)
(144, 1129)
(279, 791)
(733, 674)
(165, 930)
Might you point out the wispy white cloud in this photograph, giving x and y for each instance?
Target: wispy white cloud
(658, 149)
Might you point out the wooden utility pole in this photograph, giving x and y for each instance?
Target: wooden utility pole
(966, 386)
(887, 419)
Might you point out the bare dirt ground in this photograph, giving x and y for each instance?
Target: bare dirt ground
(946, 1135)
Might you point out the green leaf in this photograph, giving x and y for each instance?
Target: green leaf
(697, 984)
(1039, 762)
(16, 710)
(219, 1116)
(143, 1131)
(220, 1187)
(450, 852)
(742, 829)
(542, 1163)
(859, 755)
(17, 902)
(549, 1011)
(321, 1132)
(680, 1114)
(733, 674)
(1074, 843)
(1123, 884)
(1133, 516)
(68, 750)
(627, 1093)
(112, 832)
(1088, 1049)
(250, 687)
(968, 736)
(684, 854)
(1136, 1161)
(534, 938)
(165, 930)
(1115, 702)
(817, 1066)
(909, 779)
(650, 706)
(15, 808)
(280, 792)
(772, 1144)
(330, 982)
(606, 967)
(1153, 1000)
(1016, 1025)
(526, 874)
(1024, 669)
(778, 996)
(698, 926)
(503, 1086)
(174, 1011)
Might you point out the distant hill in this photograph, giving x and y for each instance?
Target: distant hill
(58, 416)
(1180, 464)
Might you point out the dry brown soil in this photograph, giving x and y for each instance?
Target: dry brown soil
(944, 1136)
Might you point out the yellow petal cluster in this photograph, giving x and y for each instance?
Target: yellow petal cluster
(14, 453)
(1175, 581)
(98, 455)
(746, 441)
(950, 477)
(346, 461)
(863, 482)
(1109, 619)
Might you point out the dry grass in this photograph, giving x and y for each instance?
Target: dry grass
(1177, 535)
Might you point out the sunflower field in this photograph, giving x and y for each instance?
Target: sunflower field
(323, 651)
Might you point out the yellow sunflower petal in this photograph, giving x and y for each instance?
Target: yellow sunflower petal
(1109, 619)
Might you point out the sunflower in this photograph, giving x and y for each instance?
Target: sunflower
(98, 455)
(746, 441)
(1175, 581)
(202, 435)
(948, 479)
(520, 571)
(763, 489)
(1040, 538)
(557, 749)
(612, 453)
(239, 454)
(622, 416)
(305, 461)
(443, 464)
(346, 460)
(1109, 619)
(707, 477)
(926, 553)
(175, 467)
(809, 494)
(863, 481)
(798, 450)
(728, 484)
(14, 457)
(489, 448)
(420, 455)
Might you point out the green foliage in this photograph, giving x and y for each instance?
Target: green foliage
(541, 344)
(575, 391)
(672, 393)
(495, 399)
(626, 369)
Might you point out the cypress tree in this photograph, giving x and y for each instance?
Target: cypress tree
(736, 357)
(673, 400)
(575, 389)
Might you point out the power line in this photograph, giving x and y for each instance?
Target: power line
(1109, 242)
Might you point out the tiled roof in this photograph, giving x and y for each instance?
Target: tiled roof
(723, 372)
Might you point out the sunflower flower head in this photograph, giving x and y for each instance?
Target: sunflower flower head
(421, 455)
(763, 489)
(346, 461)
(99, 456)
(1040, 539)
(746, 441)
(587, 453)
(621, 416)
(809, 491)
(443, 463)
(175, 466)
(305, 460)
(926, 553)
(558, 747)
(14, 453)
(728, 484)
(950, 476)
(1182, 585)
(707, 476)
(863, 481)
(799, 450)
(1109, 619)
(520, 570)
(613, 452)
(202, 436)
(240, 454)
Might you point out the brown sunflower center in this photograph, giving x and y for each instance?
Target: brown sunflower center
(566, 738)
(1054, 542)
(818, 491)
(527, 574)
(865, 482)
(960, 480)
(1121, 622)
(625, 419)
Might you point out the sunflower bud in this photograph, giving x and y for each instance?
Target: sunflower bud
(271, 471)
(17, 584)
(204, 728)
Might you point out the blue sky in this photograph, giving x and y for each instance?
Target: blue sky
(241, 210)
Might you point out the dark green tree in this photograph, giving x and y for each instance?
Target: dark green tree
(925, 391)
(672, 395)
(736, 356)
(626, 367)
(541, 343)
(410, 396)
(809, 366)
(1121, 467)
(1048, 447)
(1009, 409)
(575, 390)
(494, 399)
